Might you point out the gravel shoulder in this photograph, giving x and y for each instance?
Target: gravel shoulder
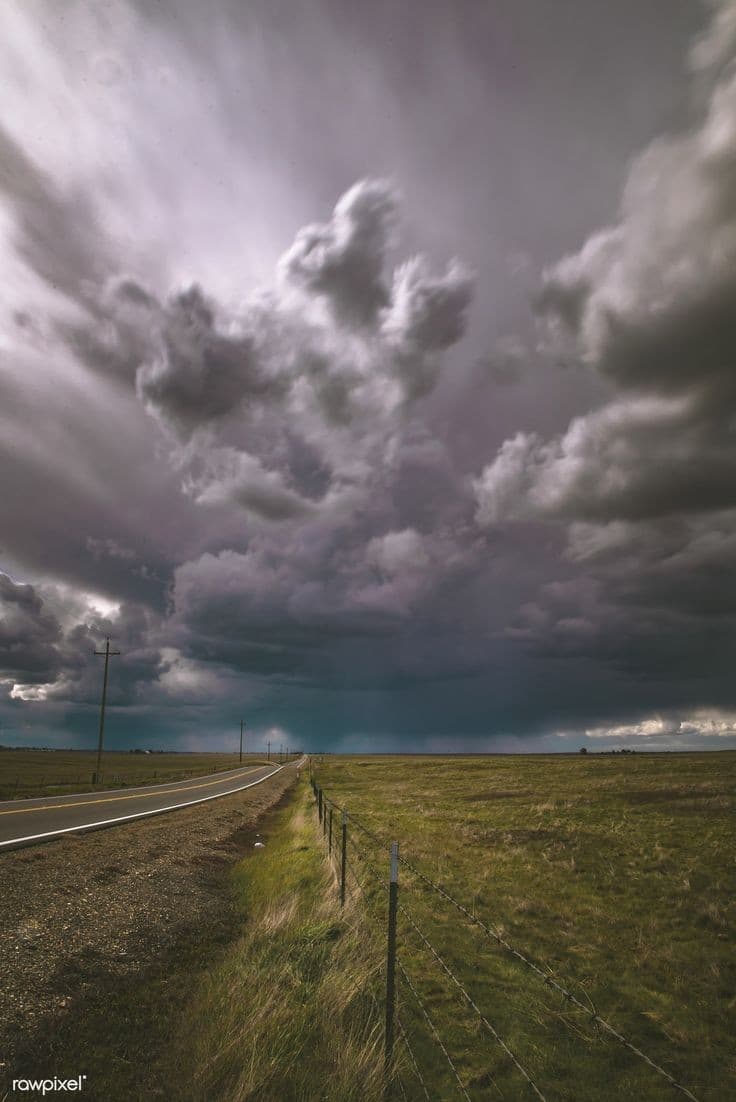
(94, 907)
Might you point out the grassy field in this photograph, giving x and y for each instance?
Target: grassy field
(26, 773)
(615, 873)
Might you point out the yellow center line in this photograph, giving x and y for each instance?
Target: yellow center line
(116, 799)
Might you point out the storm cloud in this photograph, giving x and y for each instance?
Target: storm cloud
(645, 483)
(268, 287)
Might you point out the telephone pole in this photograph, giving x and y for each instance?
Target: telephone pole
(107, 652)
(242, 725)
(269, 751)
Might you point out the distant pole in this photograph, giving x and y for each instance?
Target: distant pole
(269, 751)
(393, 900)
(107, 652)
(242, 725)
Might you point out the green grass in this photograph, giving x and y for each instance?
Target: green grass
(615, 872)
(287, 1015)
(25, 773)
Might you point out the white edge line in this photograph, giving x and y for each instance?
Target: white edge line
(136, 815)
(223, 775)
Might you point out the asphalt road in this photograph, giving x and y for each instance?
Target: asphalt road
(26, 822)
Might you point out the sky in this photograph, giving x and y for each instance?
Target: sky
(368, 372)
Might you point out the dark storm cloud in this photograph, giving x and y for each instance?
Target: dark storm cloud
(245, 390)
(28, 634)
(47, 639)
(343, 260)
(649, 303)
(200, 374)
(252, 462)
(133, 632)
(81, 478)
(635, 458)
(293, 607)
(647, 481)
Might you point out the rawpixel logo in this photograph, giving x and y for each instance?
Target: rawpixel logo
(45, 1086)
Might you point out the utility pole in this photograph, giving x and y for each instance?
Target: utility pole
(107, 652)
(242, 725)
(269, 751)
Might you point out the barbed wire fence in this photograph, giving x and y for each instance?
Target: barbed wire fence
(357, 873)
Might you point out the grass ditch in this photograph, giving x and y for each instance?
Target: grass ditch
(286, 1015)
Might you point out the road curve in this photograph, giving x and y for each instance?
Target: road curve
(27, 822)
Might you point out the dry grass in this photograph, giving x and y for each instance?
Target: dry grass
(25, 773)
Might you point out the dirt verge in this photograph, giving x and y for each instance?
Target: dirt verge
(94, 911)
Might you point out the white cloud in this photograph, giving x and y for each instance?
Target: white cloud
(708, 722)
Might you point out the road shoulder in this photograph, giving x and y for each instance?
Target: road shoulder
(88, 914)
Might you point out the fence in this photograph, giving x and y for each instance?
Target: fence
(378, 888)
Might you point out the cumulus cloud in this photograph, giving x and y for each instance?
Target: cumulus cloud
(245, 387)
(426, 315)
(236, 478)
(28, 635)
(256, 473)
(326, 362)
(297, 608)
(635, 458)
(294, 408)
(699, 724)
(201, 373)
(645, 483)
(48, 635)
(342, 261)
(649, 303)
(397, 552)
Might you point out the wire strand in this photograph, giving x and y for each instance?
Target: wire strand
(468, 998)
(433, 1028)
(414, 1061)
(501, 941)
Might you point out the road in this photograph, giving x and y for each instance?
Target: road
(27, 822)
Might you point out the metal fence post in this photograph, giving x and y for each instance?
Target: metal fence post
(393, 901)
(329, 843)
(343, 857)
